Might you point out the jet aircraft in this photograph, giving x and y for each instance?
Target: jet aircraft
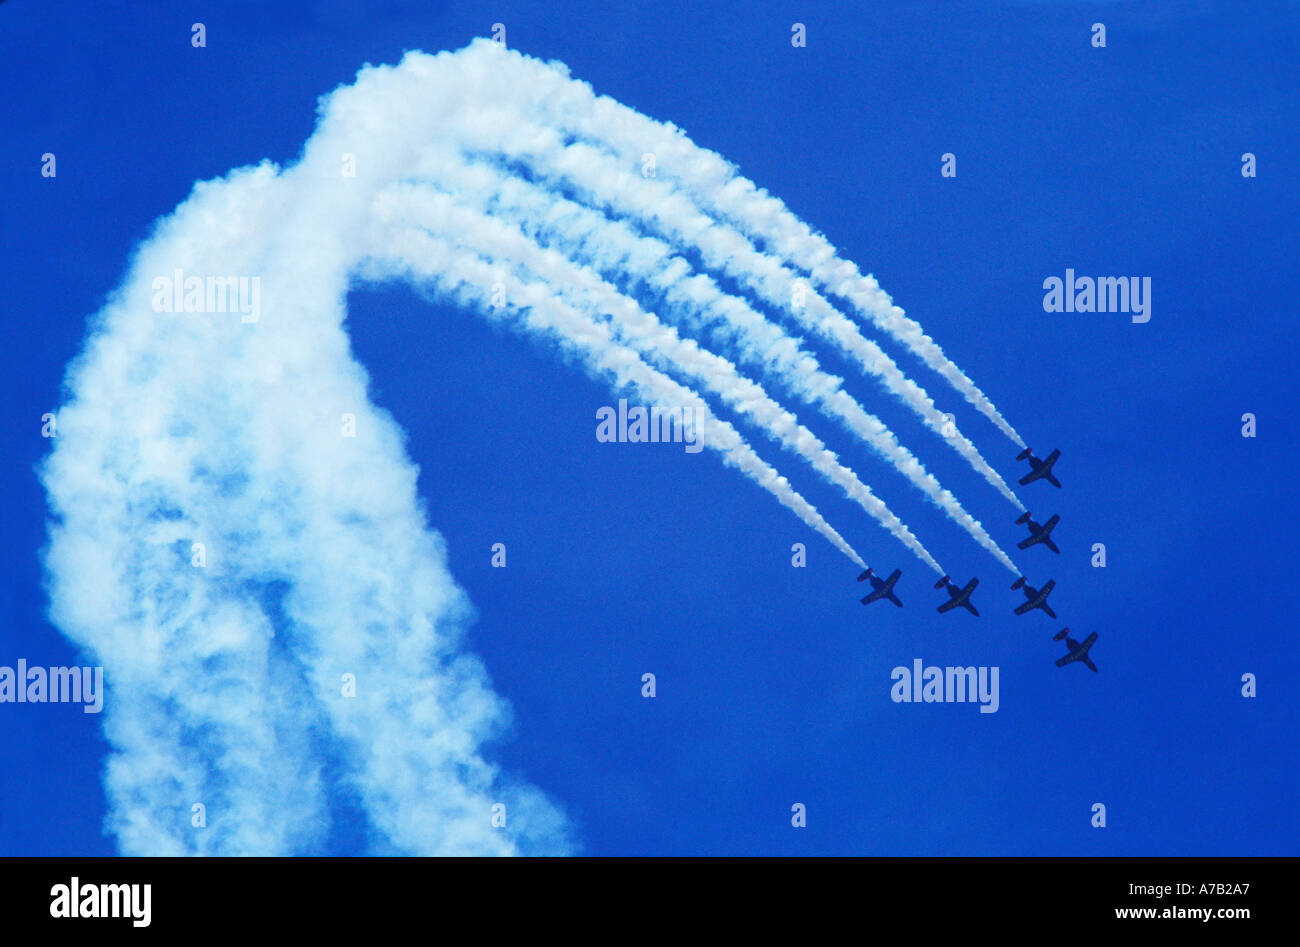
(884, 588)
(1077, 651)
(1034, 598)
(1038, 533)
(1042, 468)
(957, 596)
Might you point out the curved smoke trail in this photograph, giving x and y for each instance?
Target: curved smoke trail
(607, 182)
(695, 299)
(707, 191)
(633, 327)
(718, 189)
(236, 531)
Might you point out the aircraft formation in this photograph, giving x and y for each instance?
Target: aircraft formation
(1035, 598)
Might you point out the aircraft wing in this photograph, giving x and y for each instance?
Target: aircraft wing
(1029, 541)
(1031, 476)
(1047, 533)
(1021, 609)
(875, 596)
(1080, 654)
(1047, 468)
(961, 598)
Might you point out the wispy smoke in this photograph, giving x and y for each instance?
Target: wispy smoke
(694, 299)
(719, 193)
(236, 533)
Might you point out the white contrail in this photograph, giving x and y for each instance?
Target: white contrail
(537, 307)
(499, 244)
(588, 235)
(607, 183)
(544, 92)
(226, 673)
(716, 186)
(236, 532)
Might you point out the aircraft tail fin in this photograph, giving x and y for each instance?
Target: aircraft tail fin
(1023, 454)
(1018, 583)
(940, 584)
(1060, 634)
(1023, 518)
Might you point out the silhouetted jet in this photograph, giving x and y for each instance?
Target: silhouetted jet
(1042, 468)
(1039, 534)
(884, 588)
(1035, 598)
(1078, 652)
(957, 596)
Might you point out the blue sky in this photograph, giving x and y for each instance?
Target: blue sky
(773, 683)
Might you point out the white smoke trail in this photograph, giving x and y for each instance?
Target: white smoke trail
(604, 183)
(276, 620)
(634, 328)
(467, 278)
(226, 676)
(716, 186)
(544, 92)
(588, 235)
